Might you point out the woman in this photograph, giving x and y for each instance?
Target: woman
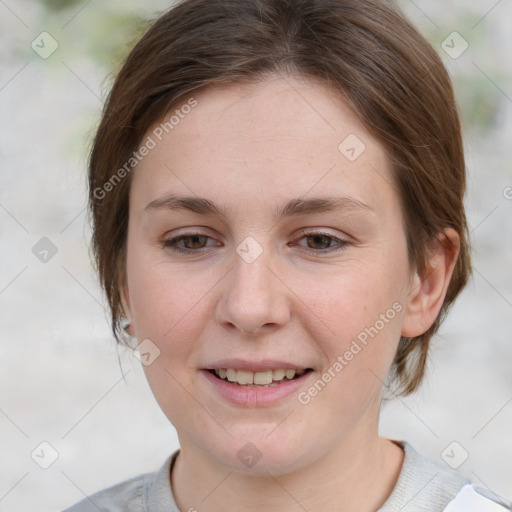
(276, 190)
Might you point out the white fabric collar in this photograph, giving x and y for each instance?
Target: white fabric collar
(474, 499)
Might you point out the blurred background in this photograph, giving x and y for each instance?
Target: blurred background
(61, 382)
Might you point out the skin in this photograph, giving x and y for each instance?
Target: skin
(250, 149)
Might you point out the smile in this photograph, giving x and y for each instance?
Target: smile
(258, 379)
(263, 388)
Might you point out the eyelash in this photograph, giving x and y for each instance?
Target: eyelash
(170, 243)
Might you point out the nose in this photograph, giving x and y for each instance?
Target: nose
(254, 298)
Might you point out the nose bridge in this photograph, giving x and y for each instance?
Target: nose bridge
(253, 277)
(253, 296)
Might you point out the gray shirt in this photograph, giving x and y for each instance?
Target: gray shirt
(424, 485)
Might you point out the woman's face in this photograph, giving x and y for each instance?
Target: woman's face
(294, 257)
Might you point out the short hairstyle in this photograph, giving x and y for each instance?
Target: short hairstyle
(367, 50)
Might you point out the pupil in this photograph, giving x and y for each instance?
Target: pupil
(316, 239)
(195, 240)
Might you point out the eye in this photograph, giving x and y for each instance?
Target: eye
(318, 242)
(193, 242)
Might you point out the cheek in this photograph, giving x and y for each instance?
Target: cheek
(361, 310)
(165, 299)
(168, 308)
(358, 352)
(355, 299)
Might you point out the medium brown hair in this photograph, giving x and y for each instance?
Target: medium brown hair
(380, 64)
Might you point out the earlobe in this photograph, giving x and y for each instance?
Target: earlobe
(427, 292)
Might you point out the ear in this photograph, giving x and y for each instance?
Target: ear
(126, 303)
(427, 292)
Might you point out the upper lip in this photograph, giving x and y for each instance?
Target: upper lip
(254, 366)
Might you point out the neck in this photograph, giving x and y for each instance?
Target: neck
(357, 475)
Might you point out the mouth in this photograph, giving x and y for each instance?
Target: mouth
(260, 379)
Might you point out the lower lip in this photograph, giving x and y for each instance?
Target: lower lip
(255, 397)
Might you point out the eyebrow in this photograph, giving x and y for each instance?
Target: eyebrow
(294, 207)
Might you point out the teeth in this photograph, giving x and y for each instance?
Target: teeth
(262, 377)
(278, 374)
(244, 377)
(265, 378)
(290, 374)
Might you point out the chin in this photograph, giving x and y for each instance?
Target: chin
(259, 455)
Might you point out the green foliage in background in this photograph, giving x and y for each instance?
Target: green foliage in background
(479, 99)
(61, 5)
(101, 30)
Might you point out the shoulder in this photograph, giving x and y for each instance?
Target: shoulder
(427, 485)
(145, 492)
(126, 496)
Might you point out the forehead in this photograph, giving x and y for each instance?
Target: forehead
(279, 138)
